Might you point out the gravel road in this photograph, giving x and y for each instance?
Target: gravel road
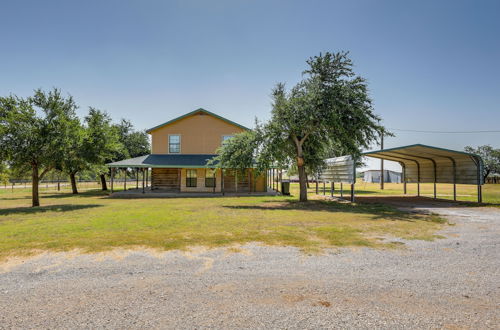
(448, 283)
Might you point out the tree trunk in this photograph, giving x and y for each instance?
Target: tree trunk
(307, 181)
(73, 183)
(35, 199)
(103, 182)
(302, 183)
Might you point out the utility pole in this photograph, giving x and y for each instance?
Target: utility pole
(381, 161)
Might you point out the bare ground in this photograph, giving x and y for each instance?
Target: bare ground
(449, 283)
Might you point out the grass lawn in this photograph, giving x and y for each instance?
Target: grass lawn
(93, 222)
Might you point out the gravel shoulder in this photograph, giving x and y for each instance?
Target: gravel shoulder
(447, 283)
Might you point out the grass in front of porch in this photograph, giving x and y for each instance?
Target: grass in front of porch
(93, 222)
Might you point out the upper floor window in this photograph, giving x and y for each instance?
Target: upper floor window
(225, 138)
(174, 144)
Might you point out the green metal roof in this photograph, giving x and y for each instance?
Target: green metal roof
(423, 146)
(194, 112)
(434, 164)
(166, 161)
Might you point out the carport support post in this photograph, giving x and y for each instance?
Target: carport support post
(352, 192)
(324, 187)
(341, 189)
(454, 179)
(479, 190)
(435, 178)
(404, 177)
(418, 179)
(332, 188)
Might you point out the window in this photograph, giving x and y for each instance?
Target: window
(191, 178)
(210, 177)
(174, 144)
(225, 138)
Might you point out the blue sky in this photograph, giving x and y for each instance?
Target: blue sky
(431, 65)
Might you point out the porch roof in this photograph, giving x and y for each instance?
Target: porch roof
(166, 161)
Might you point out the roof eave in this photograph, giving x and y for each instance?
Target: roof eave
(192, 113)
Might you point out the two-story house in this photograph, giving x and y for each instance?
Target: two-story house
(181, 148)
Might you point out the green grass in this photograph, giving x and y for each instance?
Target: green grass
(93, 222)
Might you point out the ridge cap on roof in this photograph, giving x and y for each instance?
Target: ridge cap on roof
(194, 112)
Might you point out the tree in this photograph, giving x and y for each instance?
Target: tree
(328, 113)
(136, 143)
(490, 156)
(4, 173)
(101, 142)
(34, 132)
(75, 157)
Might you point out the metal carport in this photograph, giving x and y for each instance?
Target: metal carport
(427, 164)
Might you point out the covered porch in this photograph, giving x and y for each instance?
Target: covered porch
(167, 175)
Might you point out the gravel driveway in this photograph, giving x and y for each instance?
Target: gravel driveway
(448, 283)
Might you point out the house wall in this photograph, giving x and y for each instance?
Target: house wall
(200, 133)
(260, 182)
(200, 186)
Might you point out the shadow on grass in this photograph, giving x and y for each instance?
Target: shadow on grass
(380, 211)
(48, 208)
(87, 193)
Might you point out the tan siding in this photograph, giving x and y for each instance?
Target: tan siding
(260, 183)
(165, 178)
(200, 134)
(200, 182)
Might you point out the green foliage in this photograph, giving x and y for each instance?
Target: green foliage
(490, 156)
(4, 173)
(328, 113)
(135, 143)
(35, 130)
(101, 140)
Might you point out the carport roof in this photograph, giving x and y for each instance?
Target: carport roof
(434, 164)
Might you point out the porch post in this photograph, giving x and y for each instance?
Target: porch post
(147, 176)
(136, 178)
(249, 181)
(215, 179)
(125, 180)
(112, 175)
(236, 180)
(278, 180)
(222, 180)
(143, 177)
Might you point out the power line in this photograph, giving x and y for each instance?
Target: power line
(441, 132)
